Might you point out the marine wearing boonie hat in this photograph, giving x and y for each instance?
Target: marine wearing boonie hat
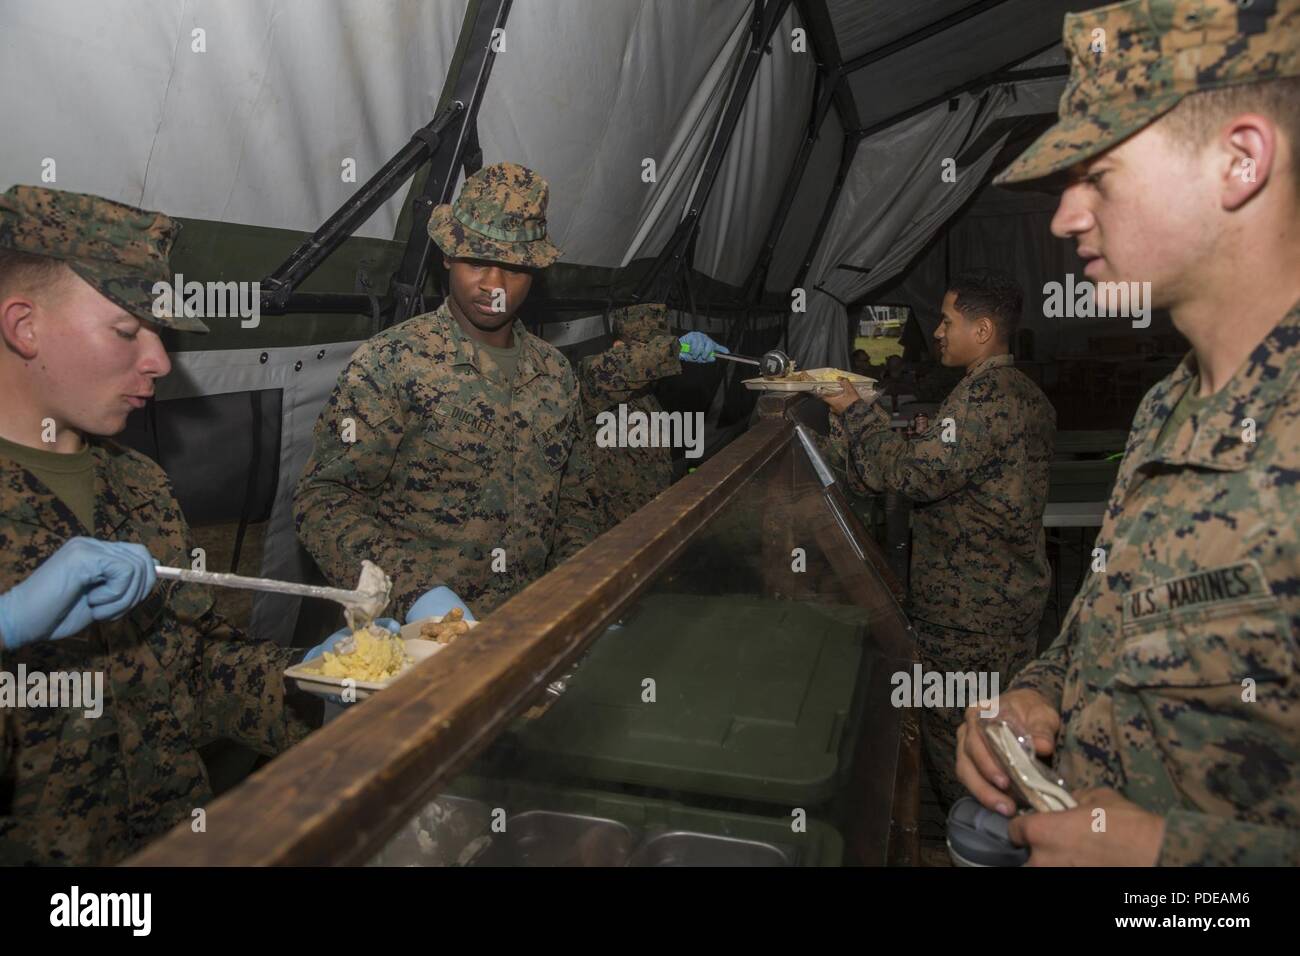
(500, 216)
(1132, 62)
(122, 251)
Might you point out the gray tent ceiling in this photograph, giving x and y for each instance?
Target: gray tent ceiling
(251, 132)
(900, 55)
(245, 118)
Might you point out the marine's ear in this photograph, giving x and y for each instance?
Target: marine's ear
(1245, 153)
(18, 326)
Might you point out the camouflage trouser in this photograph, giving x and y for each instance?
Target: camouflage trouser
(945, 650)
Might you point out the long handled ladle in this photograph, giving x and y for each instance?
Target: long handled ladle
(360, 607)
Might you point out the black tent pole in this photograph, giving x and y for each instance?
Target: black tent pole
(407, 284)
(279, 286)
(1003, 74)
(442, 143)
(821, 31)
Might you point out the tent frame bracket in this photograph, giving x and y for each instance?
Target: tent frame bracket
(448, 139)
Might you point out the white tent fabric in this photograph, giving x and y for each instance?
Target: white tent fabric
(253, 130)
(758, 160)
(893, 201)
(641, 80)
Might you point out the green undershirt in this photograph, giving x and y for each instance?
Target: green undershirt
(506, 361)
(70, 476)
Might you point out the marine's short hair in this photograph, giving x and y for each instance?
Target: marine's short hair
(26, 272)
(990, 292)
(1198, 116)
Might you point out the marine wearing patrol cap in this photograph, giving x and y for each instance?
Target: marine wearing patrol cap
(1132, 62)
(1174, 676)
(500, 216)
(122, 251)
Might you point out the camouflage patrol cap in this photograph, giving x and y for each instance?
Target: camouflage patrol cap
(640, 322)
(119, 249)
(500, 215)
(1132, 62)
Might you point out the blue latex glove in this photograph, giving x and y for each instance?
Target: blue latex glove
(698, 347)
(85, 581)
(436, 603)
(329, 642)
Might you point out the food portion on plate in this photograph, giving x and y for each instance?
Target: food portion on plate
(363, 663)
(826, 375)
(812, 380)
(372, 653)
(447, 628)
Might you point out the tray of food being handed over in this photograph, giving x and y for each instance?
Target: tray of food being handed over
(823, 381)
(373, 656)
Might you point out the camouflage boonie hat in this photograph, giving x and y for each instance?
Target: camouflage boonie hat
(500, 216)
(640, 322)
(119, 249)
(1131, 63)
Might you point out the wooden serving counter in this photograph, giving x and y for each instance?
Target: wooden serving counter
(337, 798)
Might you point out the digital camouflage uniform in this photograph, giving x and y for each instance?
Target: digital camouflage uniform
(1201, 594)
(935, 382)
(979, 576)
(444, 470)
(90, 791)
(1175, 671)
(84, 791)
(625, 373)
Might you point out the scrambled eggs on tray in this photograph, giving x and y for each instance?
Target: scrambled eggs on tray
(371, 654)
